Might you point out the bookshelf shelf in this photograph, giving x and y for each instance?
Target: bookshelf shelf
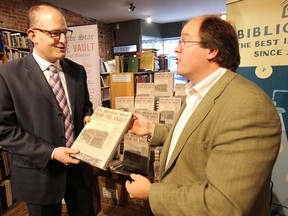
(15, 44)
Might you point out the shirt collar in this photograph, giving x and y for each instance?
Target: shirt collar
(204, 85)
(43, 63)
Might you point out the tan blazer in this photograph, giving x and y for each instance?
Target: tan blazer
(223, 160)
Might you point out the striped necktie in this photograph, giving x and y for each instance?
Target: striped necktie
(58, 90)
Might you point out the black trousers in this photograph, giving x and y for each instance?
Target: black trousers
(78, 198)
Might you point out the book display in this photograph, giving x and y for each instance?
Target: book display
(100, 138)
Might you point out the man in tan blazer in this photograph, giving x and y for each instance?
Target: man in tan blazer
(218, 156)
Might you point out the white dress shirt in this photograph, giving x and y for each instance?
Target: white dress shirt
(194, 96)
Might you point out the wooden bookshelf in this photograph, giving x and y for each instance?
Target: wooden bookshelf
(122, 84)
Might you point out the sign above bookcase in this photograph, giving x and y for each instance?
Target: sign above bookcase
(125, 49)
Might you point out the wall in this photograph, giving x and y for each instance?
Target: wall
(13, 15)
(130, 32)
(127, 32)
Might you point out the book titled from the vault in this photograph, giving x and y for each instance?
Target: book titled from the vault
(168, 108)
(99, 139)
(145, 89)
(125, 103)
(164, 84)
(144, 103)
(136, 153)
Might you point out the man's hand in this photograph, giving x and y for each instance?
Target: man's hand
(139, 187)
(62, 154)
(141, 126)
(86, 120)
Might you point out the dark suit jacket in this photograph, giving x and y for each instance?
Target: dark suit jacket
(31, 126)
(223, 160)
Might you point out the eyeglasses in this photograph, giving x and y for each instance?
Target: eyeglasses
(55, 34)
(183, 42)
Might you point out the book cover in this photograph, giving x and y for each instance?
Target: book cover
(125, 103)
(144, 89)
(133, 64)
(153, 116)
(99, 139)
(144, 103)
(147, 61)
(180, 91)
(136, 153)
(168, 108)
(164, 84)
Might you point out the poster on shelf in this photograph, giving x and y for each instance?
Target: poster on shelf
(83, 49)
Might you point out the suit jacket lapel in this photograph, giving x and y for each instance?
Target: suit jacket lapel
(37, 76)
(197, 117)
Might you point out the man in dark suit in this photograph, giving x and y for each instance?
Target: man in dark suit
(32, 123)
(217, 157)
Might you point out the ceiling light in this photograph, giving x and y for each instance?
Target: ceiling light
(149, 20)
(132, 7)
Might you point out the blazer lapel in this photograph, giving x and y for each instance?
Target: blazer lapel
(35, 73)
(197, 117)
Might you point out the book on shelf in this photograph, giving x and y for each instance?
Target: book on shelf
(164, 84)
(168, 108)
(133, 64)
(147, 61)
(110, 65)
(125, 103)
(101, 65)
(136, 153)
(144, 89)
(2, 42)
(119, 63)
(7, 38)
(144, 103)
(100, 138)
(105, 79)
(102, 82)
(105, 94)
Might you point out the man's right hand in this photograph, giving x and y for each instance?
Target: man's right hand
(62, 154)
(141, 126)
